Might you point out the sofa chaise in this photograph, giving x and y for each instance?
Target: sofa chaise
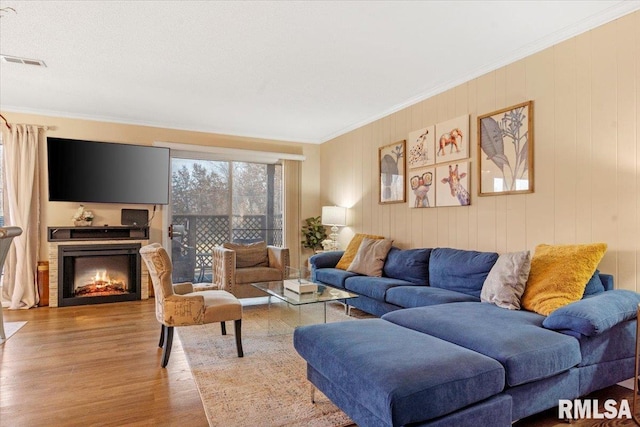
(438, 356)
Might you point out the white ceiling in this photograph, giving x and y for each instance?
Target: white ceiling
(302, 71)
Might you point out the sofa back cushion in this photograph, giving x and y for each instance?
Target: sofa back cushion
(460, 270)
(411, 265)
(250, 255)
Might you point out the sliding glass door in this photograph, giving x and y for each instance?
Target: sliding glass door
(213, 202)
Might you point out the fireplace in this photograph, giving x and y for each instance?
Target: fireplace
(98, 273)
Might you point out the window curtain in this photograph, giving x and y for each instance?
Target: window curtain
(22, 187)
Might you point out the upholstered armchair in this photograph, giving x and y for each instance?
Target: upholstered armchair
(179, 305)
(235, 266)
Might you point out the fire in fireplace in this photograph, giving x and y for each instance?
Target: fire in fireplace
(99, 273)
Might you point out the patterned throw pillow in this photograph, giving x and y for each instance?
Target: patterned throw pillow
(250, 255)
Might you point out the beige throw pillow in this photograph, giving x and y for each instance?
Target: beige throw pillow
(370, 258)
(251, 255)
(507, 279)
(352, 249)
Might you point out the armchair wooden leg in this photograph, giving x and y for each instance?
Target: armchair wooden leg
(238, 326)
(166, 350)
(223, 326)
(161, 343)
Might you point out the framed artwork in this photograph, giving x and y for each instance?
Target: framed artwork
(391, 161)
(505, 151)
(421, 148)
(452, 140)
(421, 189)
(452, 184)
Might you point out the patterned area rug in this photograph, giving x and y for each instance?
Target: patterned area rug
(268, 386)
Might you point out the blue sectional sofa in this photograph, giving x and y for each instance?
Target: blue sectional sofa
(440, 357)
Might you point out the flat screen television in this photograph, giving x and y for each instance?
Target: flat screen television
(104, 172)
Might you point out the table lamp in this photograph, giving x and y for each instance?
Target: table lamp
(335, 216)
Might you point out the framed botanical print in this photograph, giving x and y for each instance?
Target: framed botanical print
(391, 163)
(505, 151)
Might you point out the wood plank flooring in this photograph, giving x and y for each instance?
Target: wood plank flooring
(94, 365)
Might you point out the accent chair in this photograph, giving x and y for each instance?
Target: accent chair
(178, 304)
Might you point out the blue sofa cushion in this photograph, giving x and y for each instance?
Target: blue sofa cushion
(399, 375)
(515, 338)
(594, 285)
(460, 270)
(420, 296)
(594, 315)
(409, 264)
(333, 276)
(374, 287)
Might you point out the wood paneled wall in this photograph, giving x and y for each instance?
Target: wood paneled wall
(586, 94)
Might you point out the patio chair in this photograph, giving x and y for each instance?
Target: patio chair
(236, 266)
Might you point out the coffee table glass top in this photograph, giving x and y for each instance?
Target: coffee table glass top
(323, 294)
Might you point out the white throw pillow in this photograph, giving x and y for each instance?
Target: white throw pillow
(507, 279)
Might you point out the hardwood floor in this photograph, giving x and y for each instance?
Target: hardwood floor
(94, 365)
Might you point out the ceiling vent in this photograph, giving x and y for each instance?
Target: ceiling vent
(25, 61)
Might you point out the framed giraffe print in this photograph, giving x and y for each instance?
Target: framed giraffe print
(452, 184)
(505, 151)
(391, 163)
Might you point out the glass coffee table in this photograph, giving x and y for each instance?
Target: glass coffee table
(323, 295)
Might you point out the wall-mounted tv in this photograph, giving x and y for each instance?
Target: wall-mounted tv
(104, 172)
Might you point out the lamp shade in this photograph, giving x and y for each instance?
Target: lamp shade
(334, 215)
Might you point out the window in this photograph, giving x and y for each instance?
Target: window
(213, 202)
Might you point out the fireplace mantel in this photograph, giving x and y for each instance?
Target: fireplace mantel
(63, 234)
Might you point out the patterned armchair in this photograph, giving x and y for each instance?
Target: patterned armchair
(235, 266)
(179, 305)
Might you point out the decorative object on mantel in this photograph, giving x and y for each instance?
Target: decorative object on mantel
(335, 216)
(505, 151)
(391, 164)
(82, 217)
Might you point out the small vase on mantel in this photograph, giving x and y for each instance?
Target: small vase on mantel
(80, 223)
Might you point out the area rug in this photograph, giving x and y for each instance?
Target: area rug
(11, 328)
(268, 386)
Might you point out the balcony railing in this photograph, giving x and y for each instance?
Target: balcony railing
(199, 234)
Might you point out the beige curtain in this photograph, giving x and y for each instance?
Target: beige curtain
(22, 186)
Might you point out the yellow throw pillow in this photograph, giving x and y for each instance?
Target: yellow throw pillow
(352, 250)
(559, 274)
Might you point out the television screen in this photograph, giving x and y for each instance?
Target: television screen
(104, 172)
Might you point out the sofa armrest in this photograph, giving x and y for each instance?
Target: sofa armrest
(595, 315)
(183, 288)
(325, 259)
(183, 310)
(278, 258)
(223, 268)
